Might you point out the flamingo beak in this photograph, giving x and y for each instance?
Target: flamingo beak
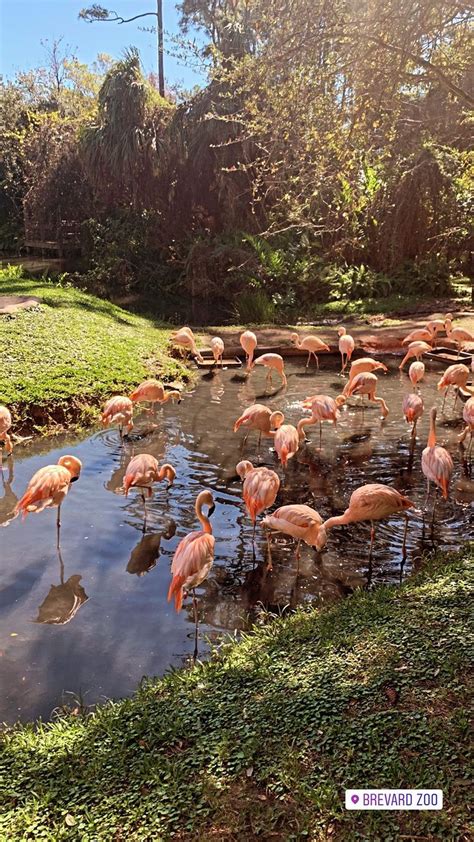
(74, 479)
(211, 510)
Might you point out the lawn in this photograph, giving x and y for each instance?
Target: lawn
(71, 352)
(261, 741)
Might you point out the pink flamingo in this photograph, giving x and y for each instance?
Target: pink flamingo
(261, 418)
(420, 335)
(217, 346)
(184, 337)
(416, 372)
(415, 349)
(365, 383)
(260, 488)
(48, 487)
(455, 375)
(5, 438)
(365, 364)
(312, 344)
(286, 441)
(459, 335)
(373, 501)
(346, 347)
(118, 410)
(436, 463)
(323, 408)
(248, 341)
(142, 471)
(412, 410)
(273, 362)
(152, 391)
(298, 521)
(468, 418)
(193, 559)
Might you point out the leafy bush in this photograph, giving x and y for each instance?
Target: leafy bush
(253, 306)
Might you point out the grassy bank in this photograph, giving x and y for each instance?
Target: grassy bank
(64, 357)
(263, 740)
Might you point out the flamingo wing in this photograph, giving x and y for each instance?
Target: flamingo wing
(45, 488)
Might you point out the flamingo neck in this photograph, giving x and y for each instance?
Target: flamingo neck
(166, 471)
(203, 519)
(338, 520)
(432, 435)
(303, 423)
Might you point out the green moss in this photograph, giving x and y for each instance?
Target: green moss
(263, 739)
(73, 350)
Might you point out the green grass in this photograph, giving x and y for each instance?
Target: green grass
(72, 352)
(262, 741)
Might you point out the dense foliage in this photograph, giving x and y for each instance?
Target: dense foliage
(327, 157)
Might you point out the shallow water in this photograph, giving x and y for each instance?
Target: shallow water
(119, 625)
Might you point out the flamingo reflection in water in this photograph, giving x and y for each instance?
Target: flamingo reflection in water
(193, 560)
(144, 556)
(63, 601)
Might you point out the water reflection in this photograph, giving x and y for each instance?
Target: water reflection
(9, 499)
(63, 601)
(145, 555)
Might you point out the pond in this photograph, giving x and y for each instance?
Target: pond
(111, 581)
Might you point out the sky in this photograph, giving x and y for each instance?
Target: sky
(25, 23)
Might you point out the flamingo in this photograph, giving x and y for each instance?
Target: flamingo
(47, 489)
(436, 463)
(365, 364)
(261, 418)
(118, 410)
(286, 441)
(468, 418)
(248, 341)
(193, 559)
(186, 340)
(346, 347)
(374, 501)
(412, 410)
(142, 471)
(416, 372)
(152, 391)
(5, 438)
(323, 408)
(260, 488)
(415, 349)
(365, 383)
(217, 346)
(298, 521)
(455, 375)
(459, 335)
(436, 325)
(312, 344)
(420, 335)
(274, 362)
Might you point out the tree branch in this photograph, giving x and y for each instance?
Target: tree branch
(90, 17)
(423, 62)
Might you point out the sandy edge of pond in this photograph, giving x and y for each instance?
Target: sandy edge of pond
(369, 332)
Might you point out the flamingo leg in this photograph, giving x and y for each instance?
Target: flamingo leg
(269, 562)
(320, 435)
(298, 556)
(404, 544)
(308, 360)
(58, 526)
(144, 511)
(196, 626)
(444, 399)
(317, 360)
(427, 494)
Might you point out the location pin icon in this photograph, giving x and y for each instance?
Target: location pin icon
(354, 799)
